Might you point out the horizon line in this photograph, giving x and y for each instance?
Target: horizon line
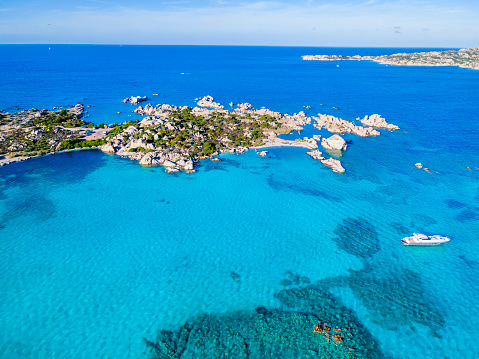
(223, 45)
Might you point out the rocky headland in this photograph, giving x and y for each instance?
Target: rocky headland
(31, 133)
(465, 58)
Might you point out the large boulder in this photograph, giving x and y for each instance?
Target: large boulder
(335, 142)
(107, 147)
(136, 142)
(168, 163)
(148, 159)
(188, 165)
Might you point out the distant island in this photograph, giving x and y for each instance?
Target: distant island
(176, 137)
(465, 58)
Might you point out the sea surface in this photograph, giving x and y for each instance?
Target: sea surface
(98, 253)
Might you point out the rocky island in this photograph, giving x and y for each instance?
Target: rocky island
(465, 58)
(177, 137)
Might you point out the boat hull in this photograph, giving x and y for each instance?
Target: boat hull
(423, 244)
(424, 241)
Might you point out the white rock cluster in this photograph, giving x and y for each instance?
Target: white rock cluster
(208, 101)
(316, 154)
(334, 164)
(338, 125)
(135, 100)
(376, 120)
(160, 110)
(243, 107)
(119, 145)
(265, 112)
(330, 162)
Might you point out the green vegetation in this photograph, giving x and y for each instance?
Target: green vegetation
(203, 136)
(116, 130)
(35, 132)
(181, 131)
(78, 143)
(58, 118)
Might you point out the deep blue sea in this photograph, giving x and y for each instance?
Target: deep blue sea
(97, 252)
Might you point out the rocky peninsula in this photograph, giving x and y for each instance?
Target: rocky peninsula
(34, 132)
(177, 137)
(465, 58)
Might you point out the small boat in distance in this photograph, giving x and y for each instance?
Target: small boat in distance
(418, 239)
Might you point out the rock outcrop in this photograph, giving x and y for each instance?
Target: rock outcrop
(335, 142)
(338, 125)
(316, 154)
(107, 147)
(208, 101)
(243, 107)
(378, 122)
(334, 164)
(135, 100)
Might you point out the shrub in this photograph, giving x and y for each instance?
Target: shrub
(77, 143)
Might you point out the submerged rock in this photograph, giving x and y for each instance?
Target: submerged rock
(259, 333)
(357, 236)
(395, 296)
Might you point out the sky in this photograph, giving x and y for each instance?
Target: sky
(368, 23)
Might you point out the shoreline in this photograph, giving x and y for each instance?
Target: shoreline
(8, 161)
(275, 144)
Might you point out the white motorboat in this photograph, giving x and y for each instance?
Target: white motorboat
(418, 239)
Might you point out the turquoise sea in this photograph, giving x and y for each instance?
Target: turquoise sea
(99, 254)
